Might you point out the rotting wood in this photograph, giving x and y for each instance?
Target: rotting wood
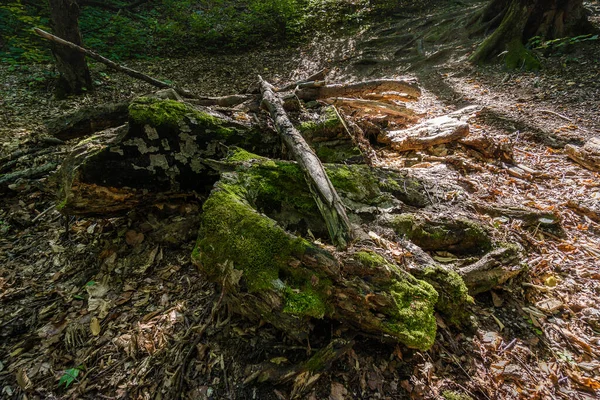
(325, 195)
(588, 207)
(358, 137)
(359, 89)
(429, 133)
(587, 156)
(320, 361)
(530, 217)
(387, 109)
(492, 270)
(131, 72)
(445, 129)
(86, 121)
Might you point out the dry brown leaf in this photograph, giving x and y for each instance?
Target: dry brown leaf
(95, 326)
(584, 380)
(134, 238)
(23, 380)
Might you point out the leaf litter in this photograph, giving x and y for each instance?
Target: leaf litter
(102, 307)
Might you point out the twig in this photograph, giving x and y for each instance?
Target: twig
(557, 114)
(46, 211)
(203, 328)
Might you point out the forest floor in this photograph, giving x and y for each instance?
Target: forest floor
(105, 308)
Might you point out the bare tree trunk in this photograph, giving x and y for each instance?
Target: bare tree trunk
(523, 19)
(74, 73)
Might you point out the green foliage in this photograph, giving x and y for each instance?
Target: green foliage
(175, 27)
(69, 377)
(18, 43)
(558, 45)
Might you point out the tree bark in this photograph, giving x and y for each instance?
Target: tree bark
(324, 193)
(74, 73)
(524, 19)
(72, 46)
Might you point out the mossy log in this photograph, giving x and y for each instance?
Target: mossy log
(439, 231)
(261, 230)
(159, 154)
(278, 277)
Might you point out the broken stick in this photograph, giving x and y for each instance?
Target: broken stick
(328, 201)
(131, 72)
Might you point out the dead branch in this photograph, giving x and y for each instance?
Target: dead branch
(319, 76)
(131, 72)
(378, 106)
(223, 101)
(359, 89)
(330, 205)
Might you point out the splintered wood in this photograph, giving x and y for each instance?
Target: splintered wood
(588, 156)
(445, 129)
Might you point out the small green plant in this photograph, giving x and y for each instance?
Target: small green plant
(69, 376)
(558, 45)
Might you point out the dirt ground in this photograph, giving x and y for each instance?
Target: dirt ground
(111, 308)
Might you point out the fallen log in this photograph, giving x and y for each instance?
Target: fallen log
(359, 89)
(379, 107)
(131, 72)
(588, 155)
(88, 120)
(324, 193)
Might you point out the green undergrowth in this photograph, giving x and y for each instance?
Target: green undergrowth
(178, 27)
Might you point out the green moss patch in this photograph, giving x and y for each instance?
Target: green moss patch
(457, 235)
(171, 113)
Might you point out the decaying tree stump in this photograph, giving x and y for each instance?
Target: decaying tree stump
(262, 232)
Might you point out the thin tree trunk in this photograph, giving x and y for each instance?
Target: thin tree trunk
(131, 72)
(74, 73)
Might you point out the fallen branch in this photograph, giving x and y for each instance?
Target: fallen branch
(359, 89)
(328, 201)
(131, 72)
(223, 101)
(318, 76)
(30, 173)
(384, 108)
